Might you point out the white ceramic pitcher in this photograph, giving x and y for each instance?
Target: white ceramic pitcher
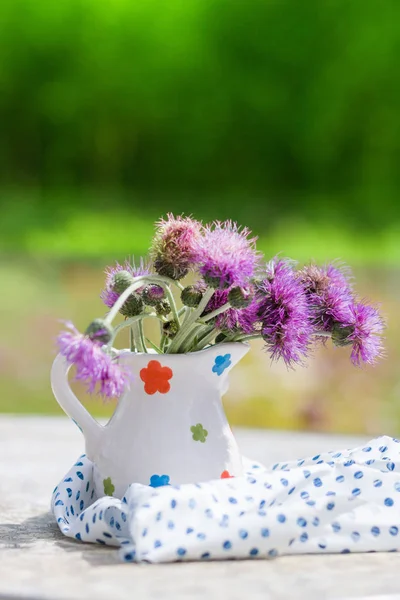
(168, 428)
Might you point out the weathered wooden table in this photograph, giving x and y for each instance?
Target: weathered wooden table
(36, 561)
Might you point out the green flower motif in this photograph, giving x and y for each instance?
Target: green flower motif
(199, 433)
(109, 488)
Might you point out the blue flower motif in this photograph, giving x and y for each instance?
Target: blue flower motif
(221, 363)
(159, 480)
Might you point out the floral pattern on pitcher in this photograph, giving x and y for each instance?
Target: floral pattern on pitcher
(199, 434)
(159, 480)
(221, 363)
(109, 487)
(156, 378)
(226, 475)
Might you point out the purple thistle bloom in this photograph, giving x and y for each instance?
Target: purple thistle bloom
(284, 312)
(329, 294)
(108, 295)
(173, 247)
(364, 327)
(330, 308)
(339, 275)
(226, 255)
(226, 320)
(92, 365)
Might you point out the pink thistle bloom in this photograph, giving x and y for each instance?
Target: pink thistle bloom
(108, 295)
(284, 312)
(363, 328)
(173, 248)
(228, 320)
(93, 366)
(226, 255)
(329, 294)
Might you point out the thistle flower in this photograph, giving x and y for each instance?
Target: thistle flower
(163, 307)
(153, 294)
(284, 313)
(226, 255)
(170, 328)
(115, 286)
(239, 297)
(226, 320)
(316, 280)
(173, 246)
(329, 294)
(362, 328)
(99, 331)
(93, 366)
(191, 295)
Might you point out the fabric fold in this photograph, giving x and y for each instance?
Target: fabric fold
(334, 502)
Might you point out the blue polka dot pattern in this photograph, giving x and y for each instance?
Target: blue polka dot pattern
(281, 518)
(325, 503)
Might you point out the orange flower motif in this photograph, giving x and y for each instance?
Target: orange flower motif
(156, 378)
(226, 475)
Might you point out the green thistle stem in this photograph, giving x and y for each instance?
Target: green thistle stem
(163, 282)
(206, 339)
(326, 334)
(141, 333)
(171, 300)
(137, 337)
(163, 341)
(244, 338)
(182, 333)
(130, 322)
(187, 344)
(132, 340)
(156, 348)
(216, 312)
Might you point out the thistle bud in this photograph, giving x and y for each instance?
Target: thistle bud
(163, 308)
(215, 282)
(173, 247)
(340, 335)
(99, 331)
(238, 297)
(153, 294)
(169, 269)
(133, 306)
(170, 329)
(191, 296)
(121, 281)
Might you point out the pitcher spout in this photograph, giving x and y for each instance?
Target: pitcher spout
(217, 361)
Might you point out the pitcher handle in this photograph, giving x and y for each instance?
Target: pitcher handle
(70, 404)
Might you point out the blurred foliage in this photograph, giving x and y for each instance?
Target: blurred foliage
(270, 107)
(280, 114)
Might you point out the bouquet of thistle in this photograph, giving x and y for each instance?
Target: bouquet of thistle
(236, 297)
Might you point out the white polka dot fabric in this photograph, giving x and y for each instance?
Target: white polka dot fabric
(346, 501)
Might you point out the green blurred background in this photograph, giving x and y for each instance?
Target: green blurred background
(280, 114)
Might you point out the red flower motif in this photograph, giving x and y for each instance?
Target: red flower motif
(156, 378)
(226, 475)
